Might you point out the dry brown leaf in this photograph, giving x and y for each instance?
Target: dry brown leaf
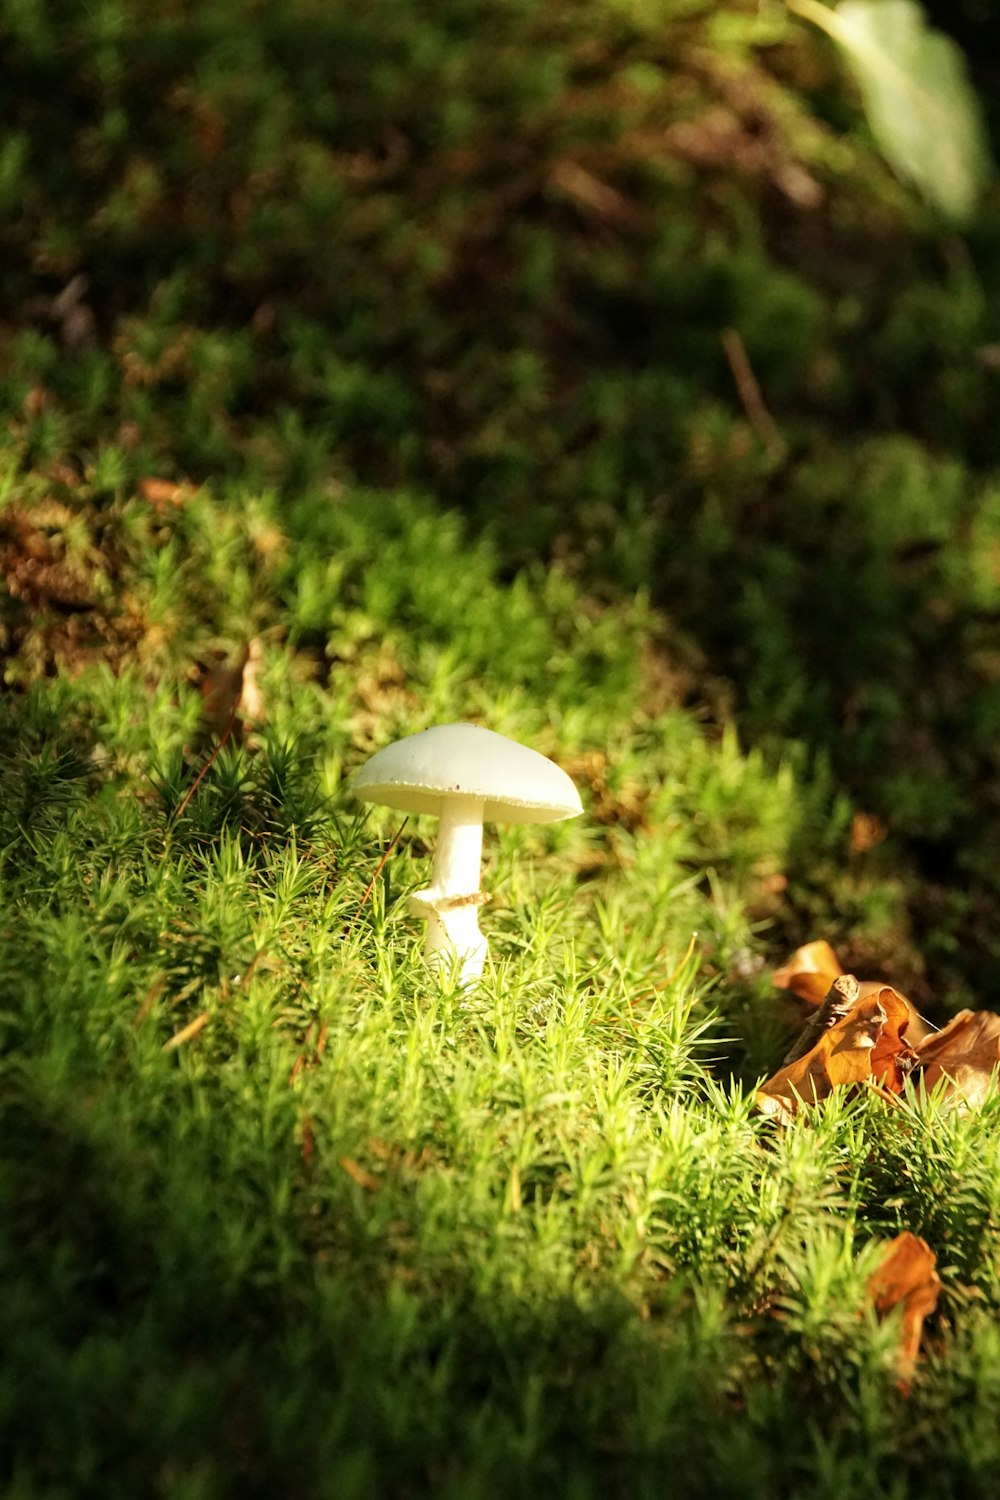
(966, 1052)
(866, 1046)
(809, 972)
(906, 1276)
(892, 1057)
(845, 992)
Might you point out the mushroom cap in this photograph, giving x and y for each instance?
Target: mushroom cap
(515, 784)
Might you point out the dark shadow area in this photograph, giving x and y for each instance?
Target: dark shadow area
(142, 1356)
(140, 1360)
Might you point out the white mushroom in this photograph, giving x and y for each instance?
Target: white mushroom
(462, 774)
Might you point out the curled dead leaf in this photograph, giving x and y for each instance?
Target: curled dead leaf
(966, 1053)
(866, 1045)
(907, 1277)
(845, 993)
(809, 972)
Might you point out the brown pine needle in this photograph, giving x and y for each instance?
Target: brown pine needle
(359, 1174)
(683, 963)
(223, 740)
(296, 1068)
(378, 870)
(149, 999)
(187, 1032)
(749, 392)
(318, 1050)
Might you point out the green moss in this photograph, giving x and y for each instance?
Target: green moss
(399, 351)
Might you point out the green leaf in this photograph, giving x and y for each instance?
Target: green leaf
(922, 110)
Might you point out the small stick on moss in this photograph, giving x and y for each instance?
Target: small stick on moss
(842, 997)
(749, 392)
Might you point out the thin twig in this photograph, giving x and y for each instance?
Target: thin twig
(843, 996)
(749, 392)
(378, 870)
(223, 740)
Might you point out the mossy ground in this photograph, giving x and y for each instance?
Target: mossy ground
(282, 1213)
(422, 388)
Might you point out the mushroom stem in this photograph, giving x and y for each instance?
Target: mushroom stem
(450, 904)
(459, 847)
